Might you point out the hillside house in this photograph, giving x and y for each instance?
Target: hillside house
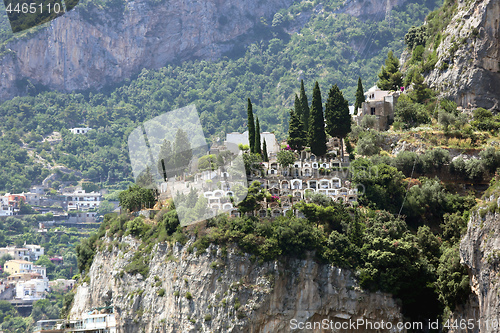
(24, 267)
(5, 209)
(80, 130)
(242, 138)
(32, 290)
(378, 103)
(80, 200)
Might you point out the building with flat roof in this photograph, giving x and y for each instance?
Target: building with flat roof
(242, 138)
(23, 266)
(379, 104)
(81, 200)
(80, 130)
(17, 253)
(35, 251)
(18, 266)
(32, 290)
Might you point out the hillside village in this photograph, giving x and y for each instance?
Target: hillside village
(26, 282)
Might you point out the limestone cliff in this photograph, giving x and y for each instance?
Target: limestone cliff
(468, 67)
(89, 48)
(480, 252)
(228, 292)
(92, 46)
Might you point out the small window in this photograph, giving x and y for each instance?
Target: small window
(372, 111)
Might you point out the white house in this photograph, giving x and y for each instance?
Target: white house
(375, 94)
(5, 208)
(34, 251)
(33, 289)
(33, 198)
(80, 200)
(17, 253)
(39, 189)
(42, 270)
(61, 284)
(80, 130)
(242, 138)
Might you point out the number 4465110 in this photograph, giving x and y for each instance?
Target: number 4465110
(33, 8)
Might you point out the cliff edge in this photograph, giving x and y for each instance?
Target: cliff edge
(223, 290)
(468, 66)
(480, 252)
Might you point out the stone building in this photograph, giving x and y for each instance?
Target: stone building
(378, 103)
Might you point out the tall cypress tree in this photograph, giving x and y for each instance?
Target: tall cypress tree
(338, 119)
(360, 96)
(257, 145)
(251, 127)
(316, 134)
(298, 113)
(296, 134)
(265, 157)
(304, 106)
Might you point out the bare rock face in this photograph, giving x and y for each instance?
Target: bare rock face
(90, 48)
(371, 9)
(468, 67)
(228, 292)
(480, 252)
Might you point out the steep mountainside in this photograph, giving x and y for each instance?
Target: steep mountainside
(92, 46)
(468, 66)
(89, 48)
(228, 292)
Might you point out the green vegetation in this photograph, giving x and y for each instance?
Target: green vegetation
(316, 137)
(390, 78)
(410, 114)
(137, 198)
(329, 48)
(251, 127)
(296, 134)
(413, 255)
(338, 119)
(360, 97)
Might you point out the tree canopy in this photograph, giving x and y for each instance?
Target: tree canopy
(390, 78)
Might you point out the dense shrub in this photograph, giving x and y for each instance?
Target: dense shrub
(410, 114)
(453, 280)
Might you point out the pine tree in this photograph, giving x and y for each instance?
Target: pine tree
(257, 146)
(265, 157)
(251, 127)
(338, 119)
(360, 96)
(316, 134)
(390, 78)
(296, 134)
(304, 106)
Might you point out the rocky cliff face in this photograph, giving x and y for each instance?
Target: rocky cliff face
(480, 252)
(230, 292)
(90, 47)
(468, 67)
(371, 9)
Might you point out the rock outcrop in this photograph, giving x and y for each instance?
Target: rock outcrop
(229, 292)
(468, 66)
(371, 9)
(480, 252)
